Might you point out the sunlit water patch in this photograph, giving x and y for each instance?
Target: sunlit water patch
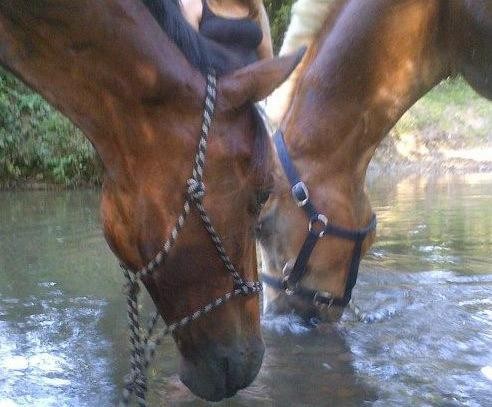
(425, 290)
(286, 324)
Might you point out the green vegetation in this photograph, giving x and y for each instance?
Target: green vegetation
(37, 143)
(279, 12)
(448, 130)
(451, 110)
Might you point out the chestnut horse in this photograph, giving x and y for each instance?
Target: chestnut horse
(371, 61)
(112, 69)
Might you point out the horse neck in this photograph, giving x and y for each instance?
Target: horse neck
(377, 59)
(116, 84)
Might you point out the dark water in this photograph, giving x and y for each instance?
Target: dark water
(426, 289)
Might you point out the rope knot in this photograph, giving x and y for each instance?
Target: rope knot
(196, 189)
(243, 287)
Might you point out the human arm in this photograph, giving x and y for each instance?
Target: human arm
(265, 49)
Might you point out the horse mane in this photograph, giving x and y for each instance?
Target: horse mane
(201, 52)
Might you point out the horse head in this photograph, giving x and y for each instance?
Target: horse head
(370, 62)
(111, 69)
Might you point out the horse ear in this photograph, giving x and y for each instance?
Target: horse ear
(256, 81)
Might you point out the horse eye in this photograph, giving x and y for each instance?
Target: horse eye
(260, 199)
(263, 196)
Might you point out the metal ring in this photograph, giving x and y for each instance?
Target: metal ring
(328, 306)
(285, 284)
(319, 219)
(288, 267)
(322, 304)
(300, 188)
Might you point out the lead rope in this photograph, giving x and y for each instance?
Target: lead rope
(144, 344)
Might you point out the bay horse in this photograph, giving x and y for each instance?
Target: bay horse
(369, 64)
(111, 67)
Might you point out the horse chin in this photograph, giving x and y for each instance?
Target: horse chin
(221, 372)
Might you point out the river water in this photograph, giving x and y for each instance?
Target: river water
(425, 290)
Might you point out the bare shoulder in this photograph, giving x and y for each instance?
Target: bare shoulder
(192, 10)
(192, 6)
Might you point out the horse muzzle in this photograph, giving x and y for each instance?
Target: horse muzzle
(219, 372)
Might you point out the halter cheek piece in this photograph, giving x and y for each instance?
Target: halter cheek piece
(143, 344)
(317, 229)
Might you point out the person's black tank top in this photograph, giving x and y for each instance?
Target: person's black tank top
(241, 36)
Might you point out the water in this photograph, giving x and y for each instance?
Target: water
(426, 288)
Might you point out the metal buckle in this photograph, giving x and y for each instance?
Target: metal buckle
(300, 193)
(319, 219)
(288, 267)
(285, 280)
(325, 294)
(287, 288)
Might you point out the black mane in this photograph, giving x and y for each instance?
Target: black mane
(201, 52)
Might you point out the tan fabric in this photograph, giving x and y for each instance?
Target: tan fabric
(307, 16)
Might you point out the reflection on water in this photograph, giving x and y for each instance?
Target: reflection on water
(59, 301)
(432, 225)
(426, 285)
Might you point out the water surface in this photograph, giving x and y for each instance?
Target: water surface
(425, 290)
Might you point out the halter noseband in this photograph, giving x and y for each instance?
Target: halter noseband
(143, 344)
(318, 228)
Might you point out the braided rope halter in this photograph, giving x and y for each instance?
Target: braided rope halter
(144, 344)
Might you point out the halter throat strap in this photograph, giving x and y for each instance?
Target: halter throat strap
(318, 228)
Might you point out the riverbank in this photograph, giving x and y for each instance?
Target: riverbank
(34, 185)
(449, 131)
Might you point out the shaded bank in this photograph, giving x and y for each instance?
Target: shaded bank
(38, 146)
(447, 131)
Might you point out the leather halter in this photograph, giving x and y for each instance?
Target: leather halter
(318, 228)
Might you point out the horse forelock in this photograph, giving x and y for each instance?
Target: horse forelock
(261, 163)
